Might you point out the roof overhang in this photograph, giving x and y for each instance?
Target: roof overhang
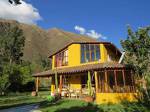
(80, 69)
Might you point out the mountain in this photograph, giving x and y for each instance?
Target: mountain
(41, 43)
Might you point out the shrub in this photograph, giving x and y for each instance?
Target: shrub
(50, 98)
(134, 107)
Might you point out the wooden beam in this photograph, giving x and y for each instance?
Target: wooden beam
(60, 84)
(56, 81)
(115, 74)
(96, 81)
(106, 84)
(124, 81)
(37, 84)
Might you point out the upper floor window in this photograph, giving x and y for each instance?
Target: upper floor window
(61, 59)
(90, 52)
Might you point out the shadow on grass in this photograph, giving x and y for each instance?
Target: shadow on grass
(88, 108)
(45, 104)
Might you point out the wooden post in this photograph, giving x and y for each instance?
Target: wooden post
(60, 84)
(37, 84)
(115, 74)
(106, 85)
(96, 81)
(124, 81)
(56, 81)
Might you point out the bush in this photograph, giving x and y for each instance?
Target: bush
(50, 98)
(134, 107)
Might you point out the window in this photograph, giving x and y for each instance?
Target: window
(111, 81)
(118, 81)
(90, 52)
(61, 59)
(65, 57)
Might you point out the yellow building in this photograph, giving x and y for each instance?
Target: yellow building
(83, 69)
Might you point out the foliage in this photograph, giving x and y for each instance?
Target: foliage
(137, 48)
(11, 43)
(4, 80)
(134, 107)
(14, 73)
(137, 55)
(50, 98)
(20, 78)
(44, 63)
(26, 71)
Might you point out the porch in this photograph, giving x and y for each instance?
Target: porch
(106, 83)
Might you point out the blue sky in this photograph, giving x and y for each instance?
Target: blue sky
(107, 17)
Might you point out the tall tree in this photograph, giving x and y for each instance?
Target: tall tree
(137, 54)
(11, 51)
(12, 43)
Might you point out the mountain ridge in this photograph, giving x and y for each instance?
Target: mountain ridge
(40, 43)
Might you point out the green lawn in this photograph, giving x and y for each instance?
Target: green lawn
(66, 105)
(13, 100)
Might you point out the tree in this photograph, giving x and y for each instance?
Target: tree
(44, 62)
(11, 51)
(12, 43)
(4, 80)
(137, 54)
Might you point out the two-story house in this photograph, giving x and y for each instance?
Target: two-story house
(80, 62)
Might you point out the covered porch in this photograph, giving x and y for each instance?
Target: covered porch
(109, 82)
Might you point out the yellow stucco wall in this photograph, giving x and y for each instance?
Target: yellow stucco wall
(103, 53)
(52, 85)
(115, 97)
(74, 56)
(75, 82)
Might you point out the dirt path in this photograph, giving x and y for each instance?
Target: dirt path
(25, 108)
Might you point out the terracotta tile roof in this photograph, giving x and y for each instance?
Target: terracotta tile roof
(82, 68)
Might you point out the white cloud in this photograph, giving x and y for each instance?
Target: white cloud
(90, 33)
(80, 29)
(94, 34)
(24, 12)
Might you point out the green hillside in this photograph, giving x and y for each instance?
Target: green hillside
(41, 43)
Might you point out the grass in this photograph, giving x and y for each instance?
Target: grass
(13, 100)
(66, 105)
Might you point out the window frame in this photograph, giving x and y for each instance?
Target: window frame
(88, 51)
(61, 58)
